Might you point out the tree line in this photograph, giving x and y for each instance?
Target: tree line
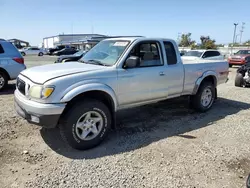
(205, 42)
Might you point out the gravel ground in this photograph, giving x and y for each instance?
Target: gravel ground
(163, 145)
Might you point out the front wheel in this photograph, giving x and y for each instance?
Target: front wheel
(40, 54)
(204, 98)
(86, 124)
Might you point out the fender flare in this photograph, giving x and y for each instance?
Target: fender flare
(90, 87)
(200, 79)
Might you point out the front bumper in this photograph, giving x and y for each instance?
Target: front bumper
(45, 115)
(236, 62)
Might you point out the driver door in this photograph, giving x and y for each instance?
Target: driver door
(146, 81)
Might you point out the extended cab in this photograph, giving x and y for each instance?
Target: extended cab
(83, 97)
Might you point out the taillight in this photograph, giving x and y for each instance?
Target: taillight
(19, 60)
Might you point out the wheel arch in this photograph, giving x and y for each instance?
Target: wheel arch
(5, 72)
(95, 91)
(206, 77)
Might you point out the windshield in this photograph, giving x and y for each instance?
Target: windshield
(106, 52)
(79, 53)
(243, 52)
(193, 53)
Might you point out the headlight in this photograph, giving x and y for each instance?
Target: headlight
(41, 92)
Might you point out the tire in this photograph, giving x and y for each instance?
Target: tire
(40, 54)
(238, 82)
(248, 181)
(196, 100)
(71, 132)
(23, 54)
(3, 80)
(230, 65)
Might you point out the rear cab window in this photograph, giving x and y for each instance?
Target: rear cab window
(170, 53)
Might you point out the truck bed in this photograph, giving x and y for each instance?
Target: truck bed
(196, 68)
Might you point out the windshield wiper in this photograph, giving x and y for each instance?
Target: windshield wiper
(93, 61)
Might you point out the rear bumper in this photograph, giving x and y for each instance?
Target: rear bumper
(45, 115)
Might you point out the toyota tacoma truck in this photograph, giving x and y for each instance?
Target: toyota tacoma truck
(82, 98)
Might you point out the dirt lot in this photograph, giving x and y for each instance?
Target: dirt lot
(159, 145)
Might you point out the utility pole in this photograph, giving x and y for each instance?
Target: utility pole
(241, 31)
(235, 25)
(179, 38)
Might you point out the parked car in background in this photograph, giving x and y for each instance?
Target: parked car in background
(32, 51)
(82, 98)
(203, 54)
(65, 51)
(57, 48)
(182, 52)
(75, 57)
(11, 63)
(239, 58)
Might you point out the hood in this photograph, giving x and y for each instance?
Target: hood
(190, 57)
(41, 74)
(67, 55)
(239, 56)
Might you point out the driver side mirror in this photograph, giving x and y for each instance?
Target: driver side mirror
(132, 62)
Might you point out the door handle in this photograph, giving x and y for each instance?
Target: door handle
(161, 73)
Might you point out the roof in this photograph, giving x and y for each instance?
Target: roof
(18, 40)
(94, 35)
(133, 38)
(202, 50)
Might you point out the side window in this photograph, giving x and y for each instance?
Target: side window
(148, 53)
(170, 53)
(205, 55)
(210, 54)
(1, 49)
(216, 53)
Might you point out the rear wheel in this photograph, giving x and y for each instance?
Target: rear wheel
(204, 98)
(238, 82)
(40, 54)
(3, 80)
(230, 65)
(23, 54)
(86, 124)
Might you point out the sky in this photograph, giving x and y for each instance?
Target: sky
(32, 20)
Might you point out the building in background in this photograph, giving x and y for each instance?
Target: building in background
(80, 41)
(19, 43)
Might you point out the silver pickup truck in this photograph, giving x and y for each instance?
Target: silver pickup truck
(82, 98)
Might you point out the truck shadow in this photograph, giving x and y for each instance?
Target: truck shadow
(139, 127)
(10, 88)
